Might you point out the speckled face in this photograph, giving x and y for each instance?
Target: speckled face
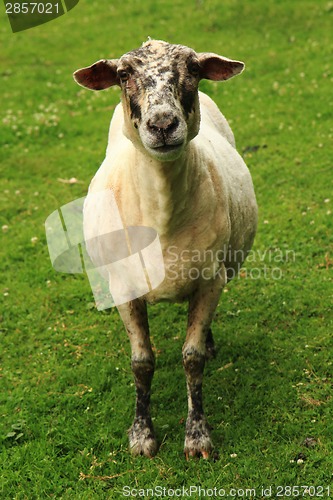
(159, 84)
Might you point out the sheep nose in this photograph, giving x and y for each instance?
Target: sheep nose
(165, 124)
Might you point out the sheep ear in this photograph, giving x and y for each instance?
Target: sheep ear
(214, 67)
(99, 76)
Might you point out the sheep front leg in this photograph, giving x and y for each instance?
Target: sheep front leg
(202, 306)
(141, 434)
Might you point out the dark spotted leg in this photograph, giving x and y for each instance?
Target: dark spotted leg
(202, 306)
(197, 436)
(141, 434)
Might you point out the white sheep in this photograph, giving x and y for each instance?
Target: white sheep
(172, 165)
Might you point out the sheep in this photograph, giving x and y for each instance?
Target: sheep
(172, 165)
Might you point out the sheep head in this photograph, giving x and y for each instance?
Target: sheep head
(159, 83)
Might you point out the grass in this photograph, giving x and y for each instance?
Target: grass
(67, 394)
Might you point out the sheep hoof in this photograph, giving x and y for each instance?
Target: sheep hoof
(197, 440)
(192, 454)
(142, 440)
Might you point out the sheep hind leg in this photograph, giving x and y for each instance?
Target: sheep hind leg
(210, 346)
(142, 438)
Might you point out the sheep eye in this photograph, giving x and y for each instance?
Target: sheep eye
(193, 68)
(123, 75)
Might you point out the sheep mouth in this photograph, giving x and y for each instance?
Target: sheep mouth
(167, 148)
(165, 152)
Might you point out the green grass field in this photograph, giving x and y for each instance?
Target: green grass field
(67, 395)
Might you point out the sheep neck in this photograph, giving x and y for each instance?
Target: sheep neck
(164, 189)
